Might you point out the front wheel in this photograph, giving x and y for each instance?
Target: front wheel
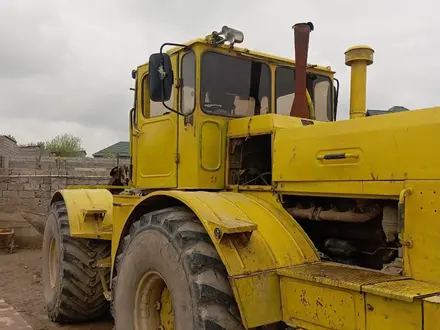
(170, 276)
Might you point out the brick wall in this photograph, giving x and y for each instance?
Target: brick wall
(8, 148)
(27, 184)
(33, 151)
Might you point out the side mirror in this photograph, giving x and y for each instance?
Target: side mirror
(161, 77)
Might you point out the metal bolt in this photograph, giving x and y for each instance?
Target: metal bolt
(217, 232)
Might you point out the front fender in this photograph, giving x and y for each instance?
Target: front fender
(253, 235)
(90, 212)
(275, 241)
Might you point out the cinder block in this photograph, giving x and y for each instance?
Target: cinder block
(28, 203)
(15, 186)
(43, 194)
(55, 187)
(45, 187)
(44, 165)
(9, 208)
(18, 179)
(21, 171)
(26, 194)
(32, 186)
(42, 172)
(10, 194)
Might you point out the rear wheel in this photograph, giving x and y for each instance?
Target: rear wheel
(72, 288)
(171, 277)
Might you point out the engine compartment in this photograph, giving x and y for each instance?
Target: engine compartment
(250, 160)
(359, 232)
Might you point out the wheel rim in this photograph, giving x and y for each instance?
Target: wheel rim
(153, 304)
(53, 263)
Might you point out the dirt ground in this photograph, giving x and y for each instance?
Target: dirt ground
(21, 287)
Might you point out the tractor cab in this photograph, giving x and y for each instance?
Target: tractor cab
(185, 97)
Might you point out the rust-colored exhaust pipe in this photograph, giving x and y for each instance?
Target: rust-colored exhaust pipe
(333, 215)
(300, 106)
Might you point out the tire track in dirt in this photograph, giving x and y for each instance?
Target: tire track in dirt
(21, 287)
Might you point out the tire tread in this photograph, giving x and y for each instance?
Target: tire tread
(80, 296)
(216, 306)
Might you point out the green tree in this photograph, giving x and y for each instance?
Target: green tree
(64, 145)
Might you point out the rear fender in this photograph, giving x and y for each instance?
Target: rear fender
(90, 212)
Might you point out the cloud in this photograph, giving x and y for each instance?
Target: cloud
(65, 65)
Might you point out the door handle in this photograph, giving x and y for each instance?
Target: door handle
(337, 156)
(133, 121)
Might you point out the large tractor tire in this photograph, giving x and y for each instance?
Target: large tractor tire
(170, 276)
(72, 287)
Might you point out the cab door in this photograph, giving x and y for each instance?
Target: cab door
(157, 140)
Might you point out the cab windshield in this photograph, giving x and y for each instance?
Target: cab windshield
(233, 86)
(241, 87)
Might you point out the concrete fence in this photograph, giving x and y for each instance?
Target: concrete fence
(27, 184)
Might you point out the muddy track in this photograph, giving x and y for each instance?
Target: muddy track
(21, 287)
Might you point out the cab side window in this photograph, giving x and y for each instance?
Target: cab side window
(152, 109)
(284, 90)
(320, 92)
(188, 100)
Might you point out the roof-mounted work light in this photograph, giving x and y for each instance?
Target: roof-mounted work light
(228, 34)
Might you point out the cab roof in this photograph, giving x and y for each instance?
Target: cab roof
(246, 51)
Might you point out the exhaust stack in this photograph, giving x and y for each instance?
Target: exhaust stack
(358, 58)
(300, 106)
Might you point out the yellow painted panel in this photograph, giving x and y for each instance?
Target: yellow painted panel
(388, 148)
(188, 169)
(321, 305)
(123, 206)
(422, 228)
(261, 124)
(82, 205)
(385, 313)
(211, 149)
(212, 171)
(260, 297)
(405, 290)
(278, 242)
(431, 313)
(202, 152)
(372, 189)
(157, 150)
(276, 216)
(337, 275)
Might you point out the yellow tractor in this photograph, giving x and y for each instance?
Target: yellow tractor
(248, 206)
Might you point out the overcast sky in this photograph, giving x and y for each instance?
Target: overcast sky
(65, 66)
